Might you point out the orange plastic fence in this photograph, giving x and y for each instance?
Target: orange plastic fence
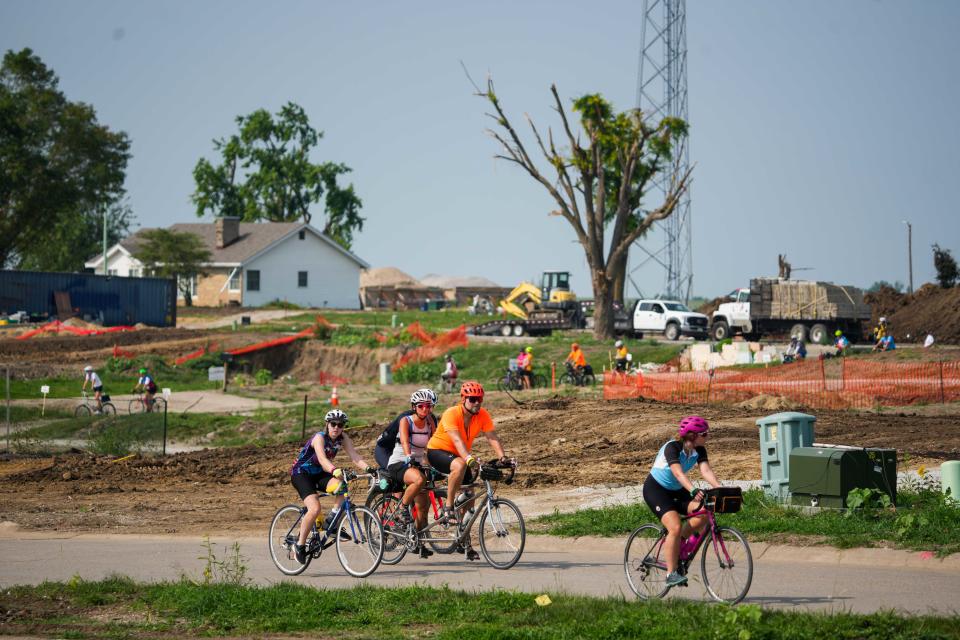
(271, 343)
(435, 346)
(121, 353)
(331, 379)
(196, 354)
(829, 384)
(58, 327)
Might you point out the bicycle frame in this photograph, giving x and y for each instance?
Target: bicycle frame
(318, 543)
(687, 557)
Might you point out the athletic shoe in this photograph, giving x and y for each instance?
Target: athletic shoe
(424, 552)
(300, 550)
(471, 554)
(675, 579)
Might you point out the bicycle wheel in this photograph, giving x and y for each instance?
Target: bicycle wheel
(109, 409)
(394, 535)
(567, 379)
(589, 380)
(359, 541)
(539, 381)
(136, 406)
(442, 530)
(502, 533)
(727, 566)
(159, 405)
(284, 530)
(644, 564)
(82, 411)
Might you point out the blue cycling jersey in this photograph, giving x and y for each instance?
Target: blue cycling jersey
(307, 461)
(670, 453)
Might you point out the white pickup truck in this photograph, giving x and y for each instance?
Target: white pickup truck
(669, 317)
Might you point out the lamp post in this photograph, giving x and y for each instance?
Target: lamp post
(104, 239)
(910, 253)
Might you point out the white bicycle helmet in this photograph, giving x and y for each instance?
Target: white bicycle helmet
(335, 415)
(618, 344)
(88, 369)
(423, 395)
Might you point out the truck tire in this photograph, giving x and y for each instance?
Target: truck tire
(518, 330)
(799, 331)
(720, 330)
(819, 334)
(672, 332)
(506, 331)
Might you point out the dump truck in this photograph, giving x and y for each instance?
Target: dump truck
(811, 311)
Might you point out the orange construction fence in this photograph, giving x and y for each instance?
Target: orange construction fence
(434, 346)
(830, 384)
(58, 327)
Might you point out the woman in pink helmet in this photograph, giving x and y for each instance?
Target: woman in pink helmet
(669, 492)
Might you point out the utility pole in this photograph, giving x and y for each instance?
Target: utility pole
(910, 253)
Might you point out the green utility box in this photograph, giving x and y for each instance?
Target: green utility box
(780, 434)
(823, 476)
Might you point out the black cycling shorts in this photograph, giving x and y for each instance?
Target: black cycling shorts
(440, 460)
(396, 471)
(98, 389)
(308, 484)
(662, 500)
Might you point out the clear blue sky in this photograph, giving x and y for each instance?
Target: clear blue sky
(816, 127)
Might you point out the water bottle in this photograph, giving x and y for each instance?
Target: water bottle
(383, 484)
(688, 545)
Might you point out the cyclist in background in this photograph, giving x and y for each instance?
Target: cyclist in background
(669, 492)
(146, 384)
(449, 450)
(621, 358)
(842, 344)
(314, 471)
(89, 375)
(577, 359)
(525, 367)
(449, 375)
(406, 463)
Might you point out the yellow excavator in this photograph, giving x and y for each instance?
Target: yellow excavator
(527, 300)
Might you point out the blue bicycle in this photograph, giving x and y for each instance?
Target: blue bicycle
(356, 531)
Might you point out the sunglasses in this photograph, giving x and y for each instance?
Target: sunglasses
(474, 399)
(424, 405)
(338, 425)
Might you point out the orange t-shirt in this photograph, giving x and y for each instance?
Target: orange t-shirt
(577, 358)
(452, 419)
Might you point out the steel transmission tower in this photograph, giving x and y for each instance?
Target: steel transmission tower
(662, 92)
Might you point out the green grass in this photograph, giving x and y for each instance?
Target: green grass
(82, 609)
(114, 383)
(20, 413)
(923, 520)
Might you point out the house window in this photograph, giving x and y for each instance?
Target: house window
(253, 280)
(191, 284)
(302, 234)
(111, 272)
(235, 280)
(134, 273)
(301, 278)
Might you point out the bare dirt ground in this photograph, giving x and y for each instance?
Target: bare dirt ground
(562, 444)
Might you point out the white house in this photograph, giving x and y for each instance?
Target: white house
(255, 263)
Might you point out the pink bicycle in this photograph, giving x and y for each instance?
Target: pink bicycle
(726, 563)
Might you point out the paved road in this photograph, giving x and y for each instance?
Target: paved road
(858, 580)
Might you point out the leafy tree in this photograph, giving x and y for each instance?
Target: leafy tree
(58, 168)
(946, 267)
(173, 254)
(880, 284)
(599, 187)
(266, 174)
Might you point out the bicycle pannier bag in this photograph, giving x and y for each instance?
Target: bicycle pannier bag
(728, 499)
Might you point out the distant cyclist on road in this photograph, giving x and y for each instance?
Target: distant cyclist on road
(314, 471)
(841, 343)
(449, 375)
(578, 360)
(669, 492)
(146, 384)
(449, 450)
(90, 376)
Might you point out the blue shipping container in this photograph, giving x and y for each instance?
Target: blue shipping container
(110, 300)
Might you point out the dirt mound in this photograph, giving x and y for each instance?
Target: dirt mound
(928, 309)
(707, 308)
(386, 277)
(353, 363)
(768, 403)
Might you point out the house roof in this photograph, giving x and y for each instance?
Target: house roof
(255, 238)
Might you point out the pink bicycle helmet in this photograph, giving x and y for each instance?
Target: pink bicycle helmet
(693, 424)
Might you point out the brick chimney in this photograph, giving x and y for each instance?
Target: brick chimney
(228, 230)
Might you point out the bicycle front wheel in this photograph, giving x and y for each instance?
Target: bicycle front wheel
(284, 531)
(727, 565)
(109, 409)
(394, 534)
(82, 411)
(360, 542)
(644, 564)
(502, 533)
(136, 406)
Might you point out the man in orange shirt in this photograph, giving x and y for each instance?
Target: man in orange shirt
(448, 451)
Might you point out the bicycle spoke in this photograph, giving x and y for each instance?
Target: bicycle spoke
(502, 533)
(727, 565)
(359, 540)
(284, 530)
(642, 562)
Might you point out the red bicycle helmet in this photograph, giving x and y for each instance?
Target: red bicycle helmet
(471, 388)
(693, 424)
